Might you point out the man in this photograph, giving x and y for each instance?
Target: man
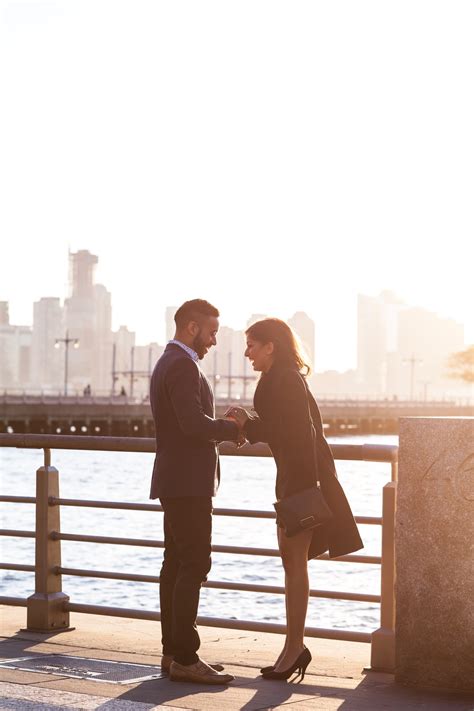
(185, 478)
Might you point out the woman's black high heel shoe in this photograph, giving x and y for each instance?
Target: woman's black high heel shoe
(264, 670)
(299, 666)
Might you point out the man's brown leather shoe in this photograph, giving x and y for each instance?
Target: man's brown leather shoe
(198, 673)
(166, 660)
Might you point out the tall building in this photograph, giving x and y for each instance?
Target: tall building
(303, 326)
(46, 360)
(170, 324)
(81, 272)
(377, 341)
(103, 330)
(403, 350)
(4, 313)
(88, 317)
(225, 364)
(15, 353)
(425, 343)
(124, 343)
(254, 318)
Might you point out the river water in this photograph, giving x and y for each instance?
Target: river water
(246, 483)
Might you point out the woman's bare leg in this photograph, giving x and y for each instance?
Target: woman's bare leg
(294, 554)
(283, 651)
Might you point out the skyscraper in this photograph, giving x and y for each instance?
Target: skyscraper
(81, 272)
(425, 342)
(46, 360)
(88, 316)
(170, 324)
(403, 350)
(4, 313)
(377, 341)
(15, 353)
(254, 318)
(303, 326)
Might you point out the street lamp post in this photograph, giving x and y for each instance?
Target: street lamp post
(425, 384)
(66, 341)
(412, 362)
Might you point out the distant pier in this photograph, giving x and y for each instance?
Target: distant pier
(127, 417)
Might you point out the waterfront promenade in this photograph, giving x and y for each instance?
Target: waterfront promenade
(336, 679)
(425, 634)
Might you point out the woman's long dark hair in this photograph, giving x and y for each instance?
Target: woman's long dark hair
(287, 349)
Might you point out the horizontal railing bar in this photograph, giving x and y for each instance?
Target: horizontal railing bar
(53, 501)
(17, 534)
(214, 584)
(150, 543)
(244, 513)
(16, 601)
(18, 499)
(218, 584)
(321, 633)
(359, 452)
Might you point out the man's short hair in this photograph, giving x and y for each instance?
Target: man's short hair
(194, 310)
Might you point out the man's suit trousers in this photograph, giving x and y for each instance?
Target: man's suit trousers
(186, 563)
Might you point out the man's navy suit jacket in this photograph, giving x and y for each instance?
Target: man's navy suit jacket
(182, 402)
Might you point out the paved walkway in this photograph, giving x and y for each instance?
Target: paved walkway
(335, 679)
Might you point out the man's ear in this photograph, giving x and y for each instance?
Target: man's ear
(193, 328)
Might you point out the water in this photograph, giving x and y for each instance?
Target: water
(245, 483)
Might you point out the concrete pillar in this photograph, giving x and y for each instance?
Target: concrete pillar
(382, 653)
(434, 543)
(45, 608)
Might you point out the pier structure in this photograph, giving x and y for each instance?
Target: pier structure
(128, 417)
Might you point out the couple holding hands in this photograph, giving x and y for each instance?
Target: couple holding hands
(186, 476)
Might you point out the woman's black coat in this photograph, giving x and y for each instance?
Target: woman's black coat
(290, 422)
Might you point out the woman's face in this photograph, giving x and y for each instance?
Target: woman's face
(259, 354)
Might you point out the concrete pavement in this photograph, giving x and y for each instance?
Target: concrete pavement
(335, 680)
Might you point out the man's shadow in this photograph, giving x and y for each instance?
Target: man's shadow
(263, 694)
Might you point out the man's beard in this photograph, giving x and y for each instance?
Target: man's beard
(198, 346)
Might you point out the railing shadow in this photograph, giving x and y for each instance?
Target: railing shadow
(20, 644)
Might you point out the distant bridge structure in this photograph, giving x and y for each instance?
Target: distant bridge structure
(120, 416)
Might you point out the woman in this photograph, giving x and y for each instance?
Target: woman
(288, 419)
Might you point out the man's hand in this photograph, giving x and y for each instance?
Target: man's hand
(239, 414)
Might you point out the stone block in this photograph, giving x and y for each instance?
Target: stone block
(434, 547)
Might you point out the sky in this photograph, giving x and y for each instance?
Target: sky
(268, 156)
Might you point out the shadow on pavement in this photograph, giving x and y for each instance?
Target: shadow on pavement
(375, 692)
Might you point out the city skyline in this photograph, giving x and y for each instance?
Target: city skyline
(337, 346)
(390, 335)
(317, 163)
(165, 326)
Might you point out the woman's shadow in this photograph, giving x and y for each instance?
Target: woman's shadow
(251, 693)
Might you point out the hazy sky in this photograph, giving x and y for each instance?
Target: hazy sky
(268, 156)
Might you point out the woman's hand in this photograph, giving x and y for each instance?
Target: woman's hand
(233, 416)
(239, 414)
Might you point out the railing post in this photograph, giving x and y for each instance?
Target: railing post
(382, 655)
(45, 608)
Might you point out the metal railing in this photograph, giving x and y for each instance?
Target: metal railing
(49, 607)
(101, 397)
